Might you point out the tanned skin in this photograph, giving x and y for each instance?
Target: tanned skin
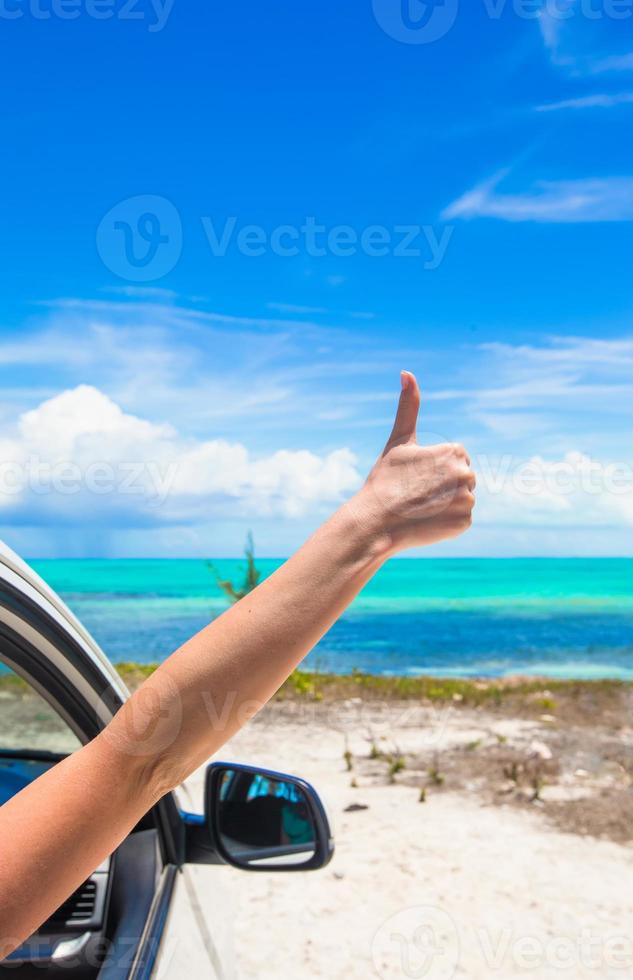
(58, 829)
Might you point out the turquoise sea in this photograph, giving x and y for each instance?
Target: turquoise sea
(469, 617)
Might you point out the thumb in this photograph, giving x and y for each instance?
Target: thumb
(407, 414)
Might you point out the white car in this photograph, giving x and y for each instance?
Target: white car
(141, 914)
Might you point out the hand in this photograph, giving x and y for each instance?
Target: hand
(417, 494)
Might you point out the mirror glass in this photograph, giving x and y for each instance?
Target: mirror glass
(263, 820)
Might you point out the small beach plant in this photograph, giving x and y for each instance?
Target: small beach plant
(252, 575)
(396, 763)
(435, 773)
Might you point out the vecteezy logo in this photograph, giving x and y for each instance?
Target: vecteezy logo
(415, 21)
(140, 239)
(418, 943)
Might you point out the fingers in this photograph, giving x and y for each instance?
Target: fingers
(407, 414)
(470, 480)
(461, 451)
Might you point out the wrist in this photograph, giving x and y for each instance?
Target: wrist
(366, 522)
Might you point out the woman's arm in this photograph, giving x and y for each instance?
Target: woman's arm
(59, 828)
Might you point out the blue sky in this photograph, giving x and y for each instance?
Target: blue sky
(472, 197)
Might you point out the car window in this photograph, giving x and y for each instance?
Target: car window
(27, 721)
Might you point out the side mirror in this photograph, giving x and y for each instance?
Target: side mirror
(265, 821)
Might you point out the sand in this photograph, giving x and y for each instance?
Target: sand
(482, 879)
(456, 886)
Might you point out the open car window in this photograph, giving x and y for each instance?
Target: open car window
(27, 721)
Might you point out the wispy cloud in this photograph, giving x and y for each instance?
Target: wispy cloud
(558, 394)
(203, 369)
(549, 396)
(597, 101)
(614, 62)
(551, 23)
(583, 39)
(143, 292)
(561, 201)
(294, 308)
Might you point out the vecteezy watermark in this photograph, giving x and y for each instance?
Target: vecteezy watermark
(575, 474)
(66, 477)
(426, 942)
(149, 724)
(417, 942)
(153, 12)
(80, 955)
(425, 21)
(507, 952)
(317, 240)
(140, 239)
(155, 480)
(416, 21)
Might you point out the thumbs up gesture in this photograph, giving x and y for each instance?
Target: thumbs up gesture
(419, 494)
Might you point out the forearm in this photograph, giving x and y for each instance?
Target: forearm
(58, 829)
(214, 683)
(85, 806)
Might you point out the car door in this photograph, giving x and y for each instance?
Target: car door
(154, 923)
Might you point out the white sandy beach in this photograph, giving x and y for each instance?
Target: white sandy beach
(449, 887)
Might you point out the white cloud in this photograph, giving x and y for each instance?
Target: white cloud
(78, 457)
(73, 419)
(596, 101)
(573, 491)
(560, 202)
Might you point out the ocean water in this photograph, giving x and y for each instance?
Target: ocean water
(448, 617)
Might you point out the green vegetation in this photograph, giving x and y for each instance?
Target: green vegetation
(538, 784)
(303, 684)
(396, 765)
(316, 686)
(546, 704)
(12, 684)
(134, 674)
(439, 690)
(252, 575)
(436, 776)
(511, 772)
